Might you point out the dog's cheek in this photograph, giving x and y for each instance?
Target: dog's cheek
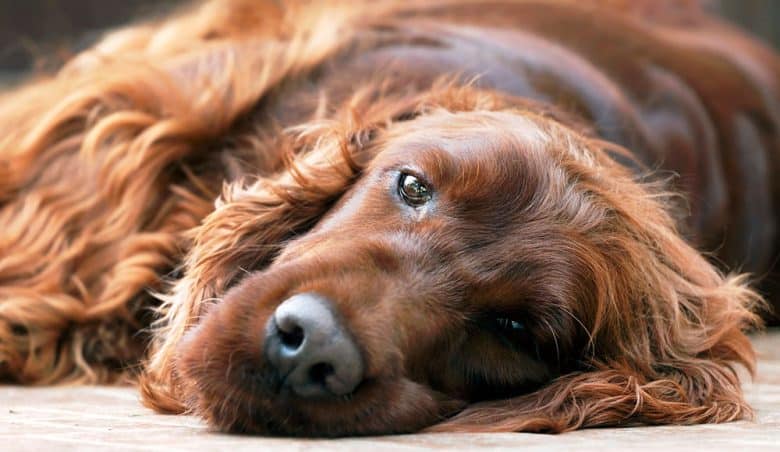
(192, 374)
(207, 349)
(418, 407)
(208, 381)
(194, 363)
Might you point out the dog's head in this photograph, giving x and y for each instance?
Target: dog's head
(467, 268)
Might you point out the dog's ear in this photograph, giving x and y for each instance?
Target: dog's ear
(694, 381)
(663, 330)
(697, 391)
(86, 160)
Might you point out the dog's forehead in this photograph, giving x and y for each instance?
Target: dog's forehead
(445, 144)
(467, 135)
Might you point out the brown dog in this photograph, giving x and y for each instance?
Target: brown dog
(451, 215)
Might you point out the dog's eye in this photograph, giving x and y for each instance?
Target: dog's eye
(413, 191)
(510, 325)
(513, 330)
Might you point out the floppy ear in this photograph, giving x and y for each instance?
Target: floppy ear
(700, 392)
(94, 189)
(665, 328)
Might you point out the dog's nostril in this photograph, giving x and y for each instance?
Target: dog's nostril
(319, 372)
(292, 339)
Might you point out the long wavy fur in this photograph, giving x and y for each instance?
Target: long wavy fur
(108, 176)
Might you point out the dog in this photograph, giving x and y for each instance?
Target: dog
(354, 218)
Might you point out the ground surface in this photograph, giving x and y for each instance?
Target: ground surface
(105, 418)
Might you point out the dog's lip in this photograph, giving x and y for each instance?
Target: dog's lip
(286, 394)
(289, 415)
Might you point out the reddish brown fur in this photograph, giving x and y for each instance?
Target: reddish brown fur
(303, 116)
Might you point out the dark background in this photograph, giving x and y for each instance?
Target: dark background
(39, 34)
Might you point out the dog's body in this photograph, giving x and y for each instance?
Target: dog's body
(504, 124)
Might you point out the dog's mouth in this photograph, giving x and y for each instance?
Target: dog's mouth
(253, 397)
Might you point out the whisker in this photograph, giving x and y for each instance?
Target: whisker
(581, 324)
(555, 340)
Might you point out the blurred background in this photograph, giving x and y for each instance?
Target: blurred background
(32, 29)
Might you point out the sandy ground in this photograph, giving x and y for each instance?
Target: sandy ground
(110, 418)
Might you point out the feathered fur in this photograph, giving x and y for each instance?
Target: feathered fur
(115, 259)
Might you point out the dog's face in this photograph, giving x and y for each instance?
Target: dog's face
(489, 270)
(448, 274)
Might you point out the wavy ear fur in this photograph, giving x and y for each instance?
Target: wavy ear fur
(665, 329)
(97, 181)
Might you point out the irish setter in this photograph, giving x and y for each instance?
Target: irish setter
(445, 215)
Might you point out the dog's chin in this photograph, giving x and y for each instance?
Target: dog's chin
(370, 416)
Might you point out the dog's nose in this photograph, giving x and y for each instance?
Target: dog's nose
(310, 348)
